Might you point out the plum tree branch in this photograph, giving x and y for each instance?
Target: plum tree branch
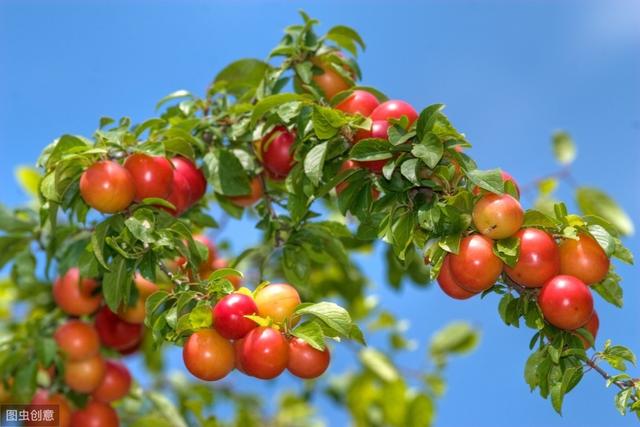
(169, 273)
(622, 385)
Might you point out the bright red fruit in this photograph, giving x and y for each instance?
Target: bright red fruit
(277, 301)
(305, 361)
(379, 129)
(107, 187)
(592, 326)
(330, 82)
(180, 195)
(194, 176)
(448, 283)
(74, 295)
(539, 259)
(566, 302)
(276, 152)
(152, 175)
(228, 315)
(264, 353)
(95, 414)
(77, 340)
(208, 355)
(394, 109)
(360, 102)
(44, 397)
(85, 375)
(584, 258)
(115, 384)
(498, 216)
(255, 193)
(475, 268)
(115, 332)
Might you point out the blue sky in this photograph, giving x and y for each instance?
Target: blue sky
(509, 72)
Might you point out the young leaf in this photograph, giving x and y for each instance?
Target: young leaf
(490, 180)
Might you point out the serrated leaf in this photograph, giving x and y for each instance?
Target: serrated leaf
(331, 314)
(312, 333)
(371, 149)
(508, 250)
(314, 162)
(271, 102)
(609, 289)
(429, 150)
(490, 180)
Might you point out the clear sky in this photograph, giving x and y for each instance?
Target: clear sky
(510, 73)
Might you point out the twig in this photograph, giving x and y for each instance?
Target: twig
(169, 273)
(622, 385)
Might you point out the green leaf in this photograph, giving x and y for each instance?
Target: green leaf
(621, 400)
(456, 338)
(508, 250)
(179, 94)
(379, 364)
(116, 283)
(271, 102)
(10, 246)
(327, 121)
(609, 289)
(490, 180)
(421, 411)
(622, 253)
(14, 222)
(451, 243)
(603, 238)
(25, 379)
(346, 38)
(533, 218)
(429, 150)
(371, 149)
(402, 233)
(142, 225)
(314, 162)
(531, 368)
(331, 314)
(592, 201)
(296, 263)
(29, 179)
(241, 76)
(311, 331)
(226, 173)
(46, 349)
(563, 148)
